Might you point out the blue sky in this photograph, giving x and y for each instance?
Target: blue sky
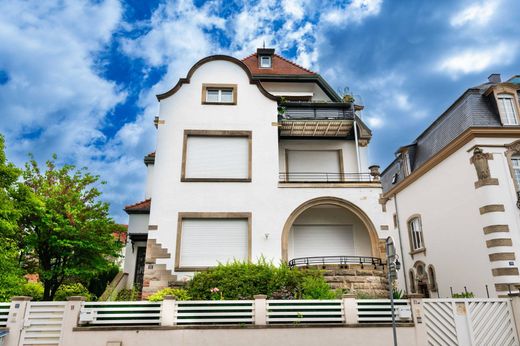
(79, 78)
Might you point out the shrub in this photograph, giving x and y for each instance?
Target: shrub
(68, 290)
(178, 293)
(242, 280)
(463, 295)
(32, 289)
(127, 295)
(315, 287)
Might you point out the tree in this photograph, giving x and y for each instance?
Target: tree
(12, 277)
(65, 230)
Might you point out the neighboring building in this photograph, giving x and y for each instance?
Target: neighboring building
(257, 158)
(454, 196)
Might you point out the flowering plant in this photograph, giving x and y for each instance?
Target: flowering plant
(216, 294)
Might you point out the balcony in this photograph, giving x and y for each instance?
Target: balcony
(307, 119)
(301, 177)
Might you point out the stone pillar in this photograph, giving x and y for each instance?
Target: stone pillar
(260, 310)
(418, 315)
(168, 311)
(71, 319)
(15, 320)
(350, 308)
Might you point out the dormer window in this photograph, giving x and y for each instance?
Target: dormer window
(507, 109)
(265, 61)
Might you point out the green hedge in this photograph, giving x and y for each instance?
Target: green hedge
(241, 280)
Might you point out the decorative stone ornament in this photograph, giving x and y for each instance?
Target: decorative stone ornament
(480, 161)
(374, 172)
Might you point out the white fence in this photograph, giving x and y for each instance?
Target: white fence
(469, 322)
(380, 310)
(305, 311)
(120, 313)
(4, 313)
(203, 312)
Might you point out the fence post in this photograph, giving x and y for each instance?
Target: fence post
(168, 311)
(260, 309)
(350, 308)
(515, 306)
(417, 315)
(15, 319)
(70, 319)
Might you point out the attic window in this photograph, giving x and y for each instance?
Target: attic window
(507, 109)
(265, 61)
(395, 177)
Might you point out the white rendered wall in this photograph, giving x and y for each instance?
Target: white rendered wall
(288, 88)
(149, 180)
(448, 203)
(270, 205)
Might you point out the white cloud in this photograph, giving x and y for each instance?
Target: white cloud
(478, 59)
(375, 122)
(354, 12)
(479, 14)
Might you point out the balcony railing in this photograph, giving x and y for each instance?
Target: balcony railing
(316, 113)
(302, 177)
(339, 260)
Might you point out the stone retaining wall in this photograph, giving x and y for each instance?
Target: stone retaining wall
(367, 281)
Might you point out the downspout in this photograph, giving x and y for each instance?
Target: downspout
(401, 243)
(357, 145)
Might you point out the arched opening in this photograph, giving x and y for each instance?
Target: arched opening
(329, 226)
(422, 279)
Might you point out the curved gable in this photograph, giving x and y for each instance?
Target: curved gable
(201, 62)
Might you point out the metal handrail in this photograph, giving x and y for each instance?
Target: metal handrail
(340, 260)
(315, 113)
(325, 177)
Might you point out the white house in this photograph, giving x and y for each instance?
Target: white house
(256, 158)
(454, 196)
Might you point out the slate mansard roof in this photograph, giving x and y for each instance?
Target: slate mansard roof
(473, 109)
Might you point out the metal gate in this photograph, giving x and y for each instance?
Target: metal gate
(42, 324)
(472, 322)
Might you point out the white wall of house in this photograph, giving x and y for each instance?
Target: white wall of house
(448, 203)
(296, 89)
(149, 180)
(269, 204)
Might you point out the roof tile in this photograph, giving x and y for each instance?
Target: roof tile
(280, 66)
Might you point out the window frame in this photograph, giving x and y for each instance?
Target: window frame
(216, 133)
(432, 278)
(209, 215)
(413, 249)
(260, 61)
(219, 87)
(502, 109)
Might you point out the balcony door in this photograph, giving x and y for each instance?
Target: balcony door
(314, 165)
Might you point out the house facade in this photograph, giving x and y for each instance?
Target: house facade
(257, 158)
(453, 194)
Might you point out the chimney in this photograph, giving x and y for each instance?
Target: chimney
(494, 78)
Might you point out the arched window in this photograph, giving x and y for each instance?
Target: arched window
(507, 109)
(432, 279)
(415, 234)
(412, 280)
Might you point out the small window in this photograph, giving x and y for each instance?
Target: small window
(412, 280)
(225, 94)
(507, 109)
(432, 278)
(265, 61)
(515, 163)
(416, 234)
